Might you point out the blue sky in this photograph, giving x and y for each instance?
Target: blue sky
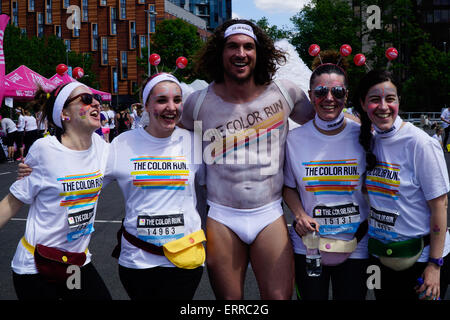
(278, 12)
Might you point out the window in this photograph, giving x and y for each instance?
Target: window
(104, 51)
(84, 11)
(124, 65)
(68, 46)
(31, 5)
(115, 80)
(103, 2)
(151, 8)
(141, 1)
(113, 21)
(48, 12)
(132, 34)
(23, 31)
(40, 24)
(15, 13)
(57, 31)
(75, 32)
(122, 9)
(94, 37)
(66, 4)
(142, 44)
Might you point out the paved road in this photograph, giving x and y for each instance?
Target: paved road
(109, 215)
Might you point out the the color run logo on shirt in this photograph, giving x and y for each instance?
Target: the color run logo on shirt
(384, 180)
(251, 139)
(331, 176)
(80, 194)
(169, 173)
(81, 190)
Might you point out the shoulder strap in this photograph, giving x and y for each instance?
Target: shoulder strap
(284, 93)
(199, 102)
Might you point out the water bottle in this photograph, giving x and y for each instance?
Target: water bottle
(313, 258)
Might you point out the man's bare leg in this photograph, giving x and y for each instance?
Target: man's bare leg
(272, 260)
(227, 261)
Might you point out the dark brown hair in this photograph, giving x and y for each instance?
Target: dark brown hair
(330, 61)
(209, 59)
(372, 78)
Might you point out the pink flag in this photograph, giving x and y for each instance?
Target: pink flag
(3, 22)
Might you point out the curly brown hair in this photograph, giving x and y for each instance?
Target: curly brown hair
(209, 58)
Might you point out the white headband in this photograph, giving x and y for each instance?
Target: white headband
(240, 28)
(157, 79)
(61, 99)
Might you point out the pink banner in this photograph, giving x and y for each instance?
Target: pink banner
(3, 22)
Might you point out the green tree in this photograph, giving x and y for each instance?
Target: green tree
(272, 30)
(421, 70)
(330, 24)
(428, 88)
(172, 39)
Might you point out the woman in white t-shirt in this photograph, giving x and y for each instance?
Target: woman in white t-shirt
(62, 192)
(20, 132)
(323, 179)
(156, 171)
(407, 183)
(31, 131)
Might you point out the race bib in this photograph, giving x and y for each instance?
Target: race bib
(336, 219)
(81, 222)
(159, 229)
(382, 224)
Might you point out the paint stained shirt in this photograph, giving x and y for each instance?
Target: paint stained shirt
(156, 177)
(243, 144)
(410, 171)
(328, 172)
(62, 192)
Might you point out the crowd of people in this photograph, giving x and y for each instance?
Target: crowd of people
(359, 182)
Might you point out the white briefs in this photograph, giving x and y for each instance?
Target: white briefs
(246, 223)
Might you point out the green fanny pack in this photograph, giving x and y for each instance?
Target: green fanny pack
(398, 255)
(396, 249)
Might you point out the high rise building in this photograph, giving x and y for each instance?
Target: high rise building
(214, 12)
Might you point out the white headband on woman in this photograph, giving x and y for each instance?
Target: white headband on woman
(154, 81)
(240, 28)
(61, 99)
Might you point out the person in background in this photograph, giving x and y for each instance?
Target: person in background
(110, 117)
(20, 132)
(31, 133)
(438, 135)
(123, 120)
(10, 129)
(445, 124)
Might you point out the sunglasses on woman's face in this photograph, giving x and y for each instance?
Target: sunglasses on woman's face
(86, 98)
(338, 92)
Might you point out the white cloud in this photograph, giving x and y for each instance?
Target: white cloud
(281, 5)
(235, 15)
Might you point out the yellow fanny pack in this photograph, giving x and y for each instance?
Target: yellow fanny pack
(187, 252)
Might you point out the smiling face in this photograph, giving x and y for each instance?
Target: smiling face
(381, 104)
(328, 107)
(164, 107)
(239, 58)
(80, 114)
